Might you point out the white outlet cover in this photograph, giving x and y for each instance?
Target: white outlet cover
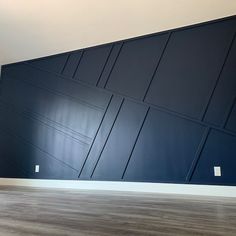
(217, 171)
(36, 168)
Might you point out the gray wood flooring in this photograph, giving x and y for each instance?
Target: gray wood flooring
(31, 211)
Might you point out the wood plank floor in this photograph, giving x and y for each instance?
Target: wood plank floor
(31, 211)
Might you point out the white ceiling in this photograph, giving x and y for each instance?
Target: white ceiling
(33, 28)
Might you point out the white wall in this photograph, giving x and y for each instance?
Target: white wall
(33, 28)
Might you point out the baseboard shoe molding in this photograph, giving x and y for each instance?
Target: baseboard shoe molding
(202, 190)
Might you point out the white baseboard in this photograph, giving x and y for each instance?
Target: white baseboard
(203, 190)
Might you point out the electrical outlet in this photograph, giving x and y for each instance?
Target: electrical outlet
(217, 171)
(36, 168)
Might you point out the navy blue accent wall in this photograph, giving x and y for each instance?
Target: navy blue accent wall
(156, 108)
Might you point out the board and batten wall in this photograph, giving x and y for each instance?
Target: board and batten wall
(158, 108)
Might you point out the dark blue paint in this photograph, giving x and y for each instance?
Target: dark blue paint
(135, 66)
(219, 151)
(121, 140)
(81, 114)
(72, 64)
(165, 149)
(101, 137)
(190, 67)
(54, 64)
(225, 92)
(91, 64)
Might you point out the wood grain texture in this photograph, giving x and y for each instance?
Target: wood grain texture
(31, 211)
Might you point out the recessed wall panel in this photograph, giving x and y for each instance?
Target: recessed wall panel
(26, 156)
(88, 95)
(165, 149)
(219, 151)
(52, 63)
(190, 67)
(92, 63)
(225, 92)
(62, 110)
(116, 152)
(101, 137)
(72, 64)
(135, 66)
(61, 145)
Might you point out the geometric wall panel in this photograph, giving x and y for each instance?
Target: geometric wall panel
(220, 151)
(135, 65)
(120, 143)
(18, 157)
(190, 67)
(56, 143)
(88, 95)
(71, 64)
(91, 64)
(225, 92)
(155, 108)
(116, 47)
(101, 137)
(51, 63)
(53, 108)
(165, 149)
(61, 110)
